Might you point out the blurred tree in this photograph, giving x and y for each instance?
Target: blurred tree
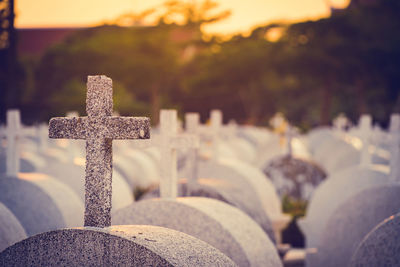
(349, 62)
(141, 60)
(144, 60)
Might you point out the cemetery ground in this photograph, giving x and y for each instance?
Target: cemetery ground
(212, 194)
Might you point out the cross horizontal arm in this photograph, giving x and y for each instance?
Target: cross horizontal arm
(128, 128)
(68, 128)
(184, 141)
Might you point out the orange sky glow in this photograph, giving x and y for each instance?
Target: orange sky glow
(245, 14)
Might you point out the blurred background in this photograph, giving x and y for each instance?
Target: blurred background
(308, 59)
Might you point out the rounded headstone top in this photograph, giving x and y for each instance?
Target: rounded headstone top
(25, 164)
(259, 181)
(11, 231)
(317, 136)
(334, 191)
(354, 219)
(381, 246)
(294, 177)
(33, 207)
(129, 245)
(217, 223)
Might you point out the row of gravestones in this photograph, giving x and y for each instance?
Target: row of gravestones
(351, 216)
(259, 200)
(242, 231)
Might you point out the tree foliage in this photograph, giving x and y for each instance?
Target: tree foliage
(349, 62)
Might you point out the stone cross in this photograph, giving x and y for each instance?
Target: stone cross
(395, 147)
(341, 122)
(13, 133)
(170, 142)
(99, 128)
(365, 133)
(192, 121)
(216, 124)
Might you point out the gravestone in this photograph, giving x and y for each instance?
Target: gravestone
(244, 186)
(11, 231)
(381, 246)
(215, 147)
(318, 136)
(98, 244)
(334, 191)
(350, 156)
(11, 160)
(294, 177)
(344, 184)
(224, 227)
(344, 150)
(144, 172)
(265, 192)
(71, 173)
(358, 215)
(244, 150)
(129, 245)
(192, 121)
(38, 201)
(352, 221)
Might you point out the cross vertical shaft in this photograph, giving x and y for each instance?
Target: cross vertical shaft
(168, 127)
(13, 132)
(365, 128)
(192, 121)
(216, 124)
(395, 147)
(170, 142)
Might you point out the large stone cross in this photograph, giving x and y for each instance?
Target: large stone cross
(13, 133)
(99, 128)
(170, 142)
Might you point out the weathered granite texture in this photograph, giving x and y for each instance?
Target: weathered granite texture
(263, 186)
(99, 129)
(381, 247)
(11, 231)
(113, 246)
(352, 220)
(223, 182)
(220, 225)
(36, 211)
(225, 191)
(259, 184)
(334, 191)
(294, 177)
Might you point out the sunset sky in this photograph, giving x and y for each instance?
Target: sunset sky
(245, 14)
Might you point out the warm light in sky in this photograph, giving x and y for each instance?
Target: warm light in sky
(245, 14)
